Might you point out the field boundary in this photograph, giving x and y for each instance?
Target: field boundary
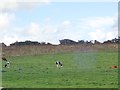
(48, 49)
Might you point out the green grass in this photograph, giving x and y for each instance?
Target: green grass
(80, 70)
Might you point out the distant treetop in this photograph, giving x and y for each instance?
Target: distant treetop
(65, 42)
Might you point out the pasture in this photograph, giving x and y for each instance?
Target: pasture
(80, 70)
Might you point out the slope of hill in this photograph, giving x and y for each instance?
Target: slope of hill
(48, 49)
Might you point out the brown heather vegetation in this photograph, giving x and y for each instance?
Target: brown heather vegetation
(52, 49)
(0, 51)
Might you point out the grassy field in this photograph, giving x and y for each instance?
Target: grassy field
(80, 70)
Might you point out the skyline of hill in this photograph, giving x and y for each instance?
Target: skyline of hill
(63, 42)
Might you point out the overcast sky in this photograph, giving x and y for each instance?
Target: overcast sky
(50, 21)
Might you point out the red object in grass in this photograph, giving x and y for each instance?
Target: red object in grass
(114, 67)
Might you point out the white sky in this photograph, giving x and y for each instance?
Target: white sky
(51, 21)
